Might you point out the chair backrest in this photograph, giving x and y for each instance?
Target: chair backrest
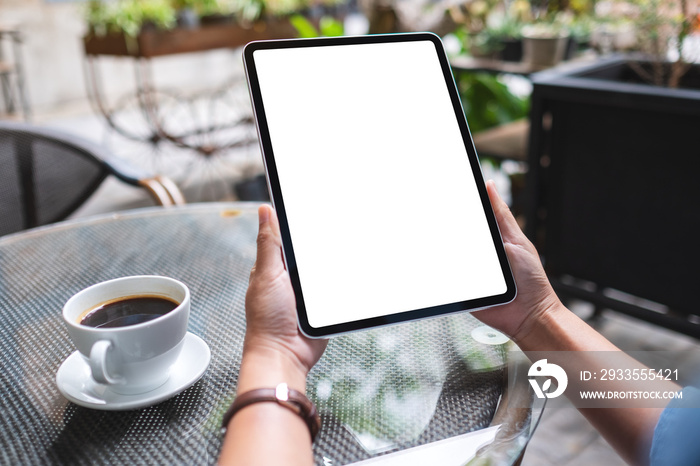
(44, 176)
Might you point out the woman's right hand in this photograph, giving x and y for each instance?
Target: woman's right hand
(536, 300)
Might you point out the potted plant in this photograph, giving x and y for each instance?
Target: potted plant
(508, 29)
(547, 29)
(129, 16)
(501, 39)
(147, 28)
(510, 40)
(613, 174)
(544, 43)
(118, 24)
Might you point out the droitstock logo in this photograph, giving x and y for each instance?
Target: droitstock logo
(543, 370)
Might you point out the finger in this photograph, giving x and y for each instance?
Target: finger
(510, 230)
(269, 243)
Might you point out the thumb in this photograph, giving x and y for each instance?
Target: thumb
(510, 230)
(269, 256)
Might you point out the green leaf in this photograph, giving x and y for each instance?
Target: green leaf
(303, 26)
(488, 102)
(330, 27)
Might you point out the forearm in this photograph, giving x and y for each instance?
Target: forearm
(267, 433)
(574, 345)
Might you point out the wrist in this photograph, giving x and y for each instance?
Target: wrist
(540, 325)
(265, 365)
(556, 328)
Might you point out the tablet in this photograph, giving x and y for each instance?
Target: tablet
(371, 169)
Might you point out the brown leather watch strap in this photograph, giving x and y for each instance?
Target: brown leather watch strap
(282, 395)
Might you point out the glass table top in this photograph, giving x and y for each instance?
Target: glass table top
(378, 391)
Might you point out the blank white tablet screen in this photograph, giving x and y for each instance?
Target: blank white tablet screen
(383, 210)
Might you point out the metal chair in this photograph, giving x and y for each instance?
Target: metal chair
(45, 175)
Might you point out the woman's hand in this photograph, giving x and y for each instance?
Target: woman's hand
(536, 299)
(271, 306)
(274, 352)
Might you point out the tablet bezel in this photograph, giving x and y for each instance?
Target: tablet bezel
(278, 201)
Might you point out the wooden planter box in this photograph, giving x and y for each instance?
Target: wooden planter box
(155, 43)
(614, 189)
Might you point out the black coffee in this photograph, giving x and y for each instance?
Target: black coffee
(128, 311)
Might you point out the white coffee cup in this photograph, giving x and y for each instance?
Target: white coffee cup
(136, 358)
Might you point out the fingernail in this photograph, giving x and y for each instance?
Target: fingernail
(263, 215)
(493, 187)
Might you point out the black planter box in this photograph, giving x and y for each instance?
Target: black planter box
(614, 190)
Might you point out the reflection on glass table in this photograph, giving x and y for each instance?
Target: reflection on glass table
(398, 391)
(379, 392)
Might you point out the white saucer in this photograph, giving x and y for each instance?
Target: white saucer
(75, 381)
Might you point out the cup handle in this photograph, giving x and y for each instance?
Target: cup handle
(98, 363)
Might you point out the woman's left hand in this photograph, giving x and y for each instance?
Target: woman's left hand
(270, 303)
